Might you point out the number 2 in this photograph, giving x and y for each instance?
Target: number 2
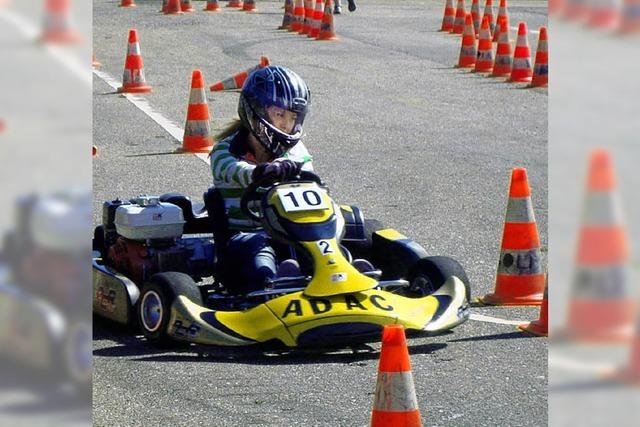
(325, 247)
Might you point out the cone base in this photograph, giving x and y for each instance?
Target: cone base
(535, 328)
(191, 9)
(494, 299)
(328, 38)
(466, 64)
(519, 80)
(130, 5)
(135, 89)
(495, 73)
(212, 10)
(285, 27)
(69, 37)
(539, 83)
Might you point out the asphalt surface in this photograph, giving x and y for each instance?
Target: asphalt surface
(395, 129)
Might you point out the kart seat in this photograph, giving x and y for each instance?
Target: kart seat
(195, 214)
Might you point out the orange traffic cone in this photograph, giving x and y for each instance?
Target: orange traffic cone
(287, 19)
(236, 82)
(576, 10)
(197, 130)
(164, 6)
(630, 20)
(133, 80)
(234, 3)
(503, 15)
(475, 16)
(541, 67)
(521, 72)
(602, 307)
(449, 17)
(314, 32)
(186, 6)
(173, 8)
(94, 151)
(503, 61)
(556, 7)
(488, 11)
(395, 402)
(484, 62)
(3, 126)
(57, 26)
(539, 327)
(327, 30)
(630, 374)
(308, 17)
(298, 16)
(458, 22)
(468, 51)
(95, 63)
(519, 280)
(604, 14)
(212, 6)
(249, 6)
(127, 3)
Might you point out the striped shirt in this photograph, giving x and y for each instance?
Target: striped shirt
(232, 174)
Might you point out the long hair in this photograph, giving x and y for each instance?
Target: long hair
(230, 129)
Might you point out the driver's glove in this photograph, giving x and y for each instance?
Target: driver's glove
(276, 171)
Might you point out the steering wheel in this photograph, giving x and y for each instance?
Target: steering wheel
(251, 192)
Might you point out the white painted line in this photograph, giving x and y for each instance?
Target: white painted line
(143, 105)
(579, 366)
(489, 319)
(31, 32)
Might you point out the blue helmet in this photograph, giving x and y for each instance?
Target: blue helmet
(268, 86)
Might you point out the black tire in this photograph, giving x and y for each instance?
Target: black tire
(428, 274)
(165, 287)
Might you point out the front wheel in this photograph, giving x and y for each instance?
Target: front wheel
(428, 274)
(154, 305)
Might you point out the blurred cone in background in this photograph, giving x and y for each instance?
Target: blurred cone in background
(133, 80)
(57, 23)
(468, 52)
(519, 279)
(521, 71)
(503, 15)
(449, 17)
(236, 81)
(604, 14)
(602, 306)
(314, 32)
(458, 22)
(327, 30)
(234, 3)
(186, 6)
(475, 16)
(395, 402)
(127, 3)
(197, 130)
(488, 11)
(287, 19)
(503, 61)
(308, 17)
(173, 8)
(540, 327)
(94, 62)
(298, 16)
(541, 66)
(575, 10)
(484, 62)
(212, 6)
(630, 20)
(556, 7)
(164, 6)
(249, 6)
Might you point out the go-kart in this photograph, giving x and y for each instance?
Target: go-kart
(167, 281)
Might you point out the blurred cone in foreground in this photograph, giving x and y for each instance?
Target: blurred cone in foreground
(249, 6)
(234, 3)
(468, 52)
(521, 71)
(602, 306)
(504, 61)
(575, 10)
(539, 327)
(503, 15)
(127, 3)
(484, 62)
(186, 6)
(604, 14)
(475, 16)
(630, 20)
(287, 19)
(395, 402)
(327, 30)
(488, 11)
(449, 17)
(236, 82)
(133, 80)
(197, 130)
(541, 66)
(519, 280)
(57, 25)
(173, 8)
(212, 6)
(630, 374)
(298, 16)
(458, 22)
(318, 12)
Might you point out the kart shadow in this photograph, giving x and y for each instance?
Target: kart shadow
(502, 336)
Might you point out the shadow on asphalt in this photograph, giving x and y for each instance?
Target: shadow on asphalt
(503, 336)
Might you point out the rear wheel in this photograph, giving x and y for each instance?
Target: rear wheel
(154, 305)
(428, 274)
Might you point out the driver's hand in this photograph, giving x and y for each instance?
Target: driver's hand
(276, 171)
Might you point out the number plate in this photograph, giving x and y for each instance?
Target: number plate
(297, 199)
